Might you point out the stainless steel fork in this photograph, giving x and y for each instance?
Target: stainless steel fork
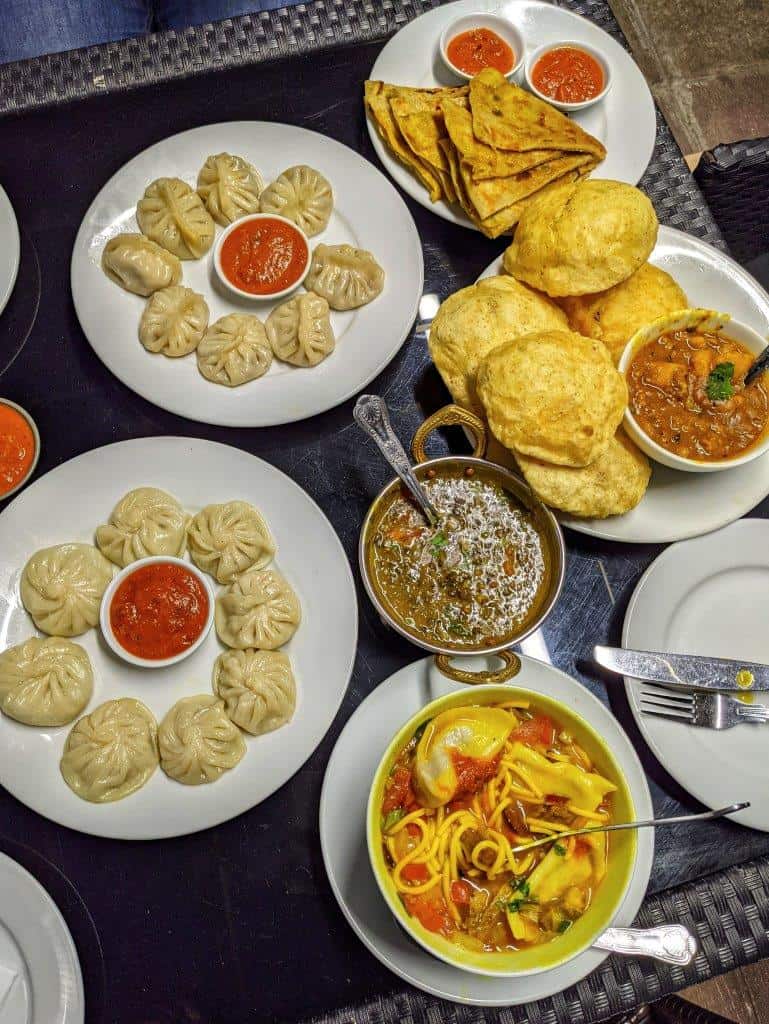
(709, 710)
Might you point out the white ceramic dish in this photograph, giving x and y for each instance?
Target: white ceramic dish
(249, 296)
(36, 946)
(731, 328)
(625, 123)
(504, 28)
(569, 108)
(106, 603)
(10, 248)
(35, 458)
(83, 492)
(368, 214)
(708, 596)
(679, 505)
(343, 829)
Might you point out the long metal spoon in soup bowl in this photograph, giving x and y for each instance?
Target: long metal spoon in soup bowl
(464, 569)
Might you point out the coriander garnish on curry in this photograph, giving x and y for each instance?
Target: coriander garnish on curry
(476, 579)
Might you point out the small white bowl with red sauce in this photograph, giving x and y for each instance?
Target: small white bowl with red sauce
(157, 611)
(556, 71)
(467, 45)
(262, 256)
(19, 447)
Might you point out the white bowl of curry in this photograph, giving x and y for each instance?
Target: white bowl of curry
(688, 405)
(480, 580)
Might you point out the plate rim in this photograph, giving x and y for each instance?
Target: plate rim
(79, 253)
(6, 208)
(631, 902)
(216, 818)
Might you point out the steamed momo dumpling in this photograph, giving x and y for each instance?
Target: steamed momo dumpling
(230, 187)
(234, 350)
(226, 540)
(173, 322)
(198, 742)
(111, 752)
(346, 277)
(45, 682)
(302, 195)
(300, 330)
(258, 610)
(139, 265)
(173, 215)
(257, 687)
(62, 588)
(146, 521)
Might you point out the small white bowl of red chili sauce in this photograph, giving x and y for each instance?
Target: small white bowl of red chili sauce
(477, 41)
(568, 75)
(262, 256)
(688, 405)
(19, 447)
(157, 611)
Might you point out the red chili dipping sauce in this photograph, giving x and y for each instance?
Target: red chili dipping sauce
(159, 611)
(264, 256)
(17, 448)
(480, 48)
(568, 74)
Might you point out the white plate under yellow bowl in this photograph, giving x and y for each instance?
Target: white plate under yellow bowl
(708, 596)
(343, 801)
(679, 505)
(624, 121)
(67, 504)
(368, 213)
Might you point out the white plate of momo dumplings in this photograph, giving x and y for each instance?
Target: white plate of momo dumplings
(195, 360)
(112, 749)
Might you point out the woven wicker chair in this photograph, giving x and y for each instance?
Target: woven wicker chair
(671, 1010)
(735, 183)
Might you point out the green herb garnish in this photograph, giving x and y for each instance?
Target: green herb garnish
(523, 887)
(720, 384)
(392, 818)
(515, 905)
(419, 732)
(439, 540)
(559, 849)
(564, 925)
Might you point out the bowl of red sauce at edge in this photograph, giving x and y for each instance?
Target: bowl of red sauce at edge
(19, 447)
(574, 68)
(157, 611)
(262, 256)
(471, 38)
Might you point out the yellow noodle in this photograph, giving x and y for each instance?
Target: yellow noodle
(538, 825)
(580, 812)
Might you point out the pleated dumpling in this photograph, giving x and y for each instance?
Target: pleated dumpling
(111, 752)
(62, 588)
(300, 330)
(139, 265)
(257, 687)
(302, 195)
(173, 322)
(346, 277)
(173, 215)
(229, 539)
(234, 350)
(45, 682)
(258, 610)
(198, 742)
(230, 187)
(146, 521)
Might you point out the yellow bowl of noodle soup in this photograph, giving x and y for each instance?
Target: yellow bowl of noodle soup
(472, 775)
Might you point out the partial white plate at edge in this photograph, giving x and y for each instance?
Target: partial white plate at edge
(343, 803)
(10, 249)
(679, 505)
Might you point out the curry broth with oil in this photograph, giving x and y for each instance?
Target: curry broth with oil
(475, 581)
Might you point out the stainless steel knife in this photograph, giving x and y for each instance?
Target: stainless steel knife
(684, 671)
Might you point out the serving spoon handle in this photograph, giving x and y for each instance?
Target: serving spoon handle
(670, 943)
(758, 367)
(650, 823)
(371, 415)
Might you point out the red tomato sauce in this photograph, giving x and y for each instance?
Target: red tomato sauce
(263, 256)
(472, 772)
(159, 611)
(17, 448)
(568, 74)
(480, 48)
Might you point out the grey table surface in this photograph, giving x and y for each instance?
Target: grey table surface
(66, 123)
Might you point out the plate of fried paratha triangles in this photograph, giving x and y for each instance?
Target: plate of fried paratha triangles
(477, 153)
